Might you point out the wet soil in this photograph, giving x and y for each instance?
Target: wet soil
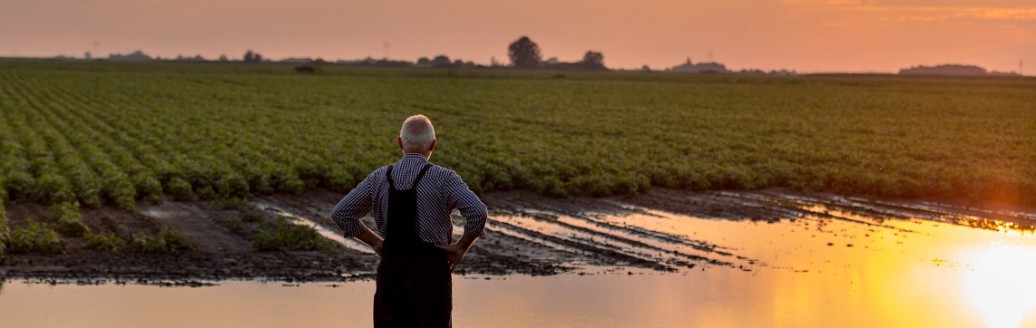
(527, 234)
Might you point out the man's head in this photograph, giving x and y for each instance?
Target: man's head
(417, 136)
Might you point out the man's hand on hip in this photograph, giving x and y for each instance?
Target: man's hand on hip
(456, 252)
(371, 239)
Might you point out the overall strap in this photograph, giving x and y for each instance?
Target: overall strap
(388, 176)
(420, 175)
(392, 186)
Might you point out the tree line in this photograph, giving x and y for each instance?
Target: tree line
(523, 54)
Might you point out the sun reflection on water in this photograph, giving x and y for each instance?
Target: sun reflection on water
(1000, 283)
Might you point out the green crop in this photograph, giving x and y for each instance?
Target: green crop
(166, 241)
(118, 133)
(35, 237)
(104, 242)
(283, 235)
(70, 222)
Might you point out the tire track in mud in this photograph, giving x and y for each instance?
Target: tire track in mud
(775, 205)
(626, 236)
(559, 244)
(539, 235)
(664, 230)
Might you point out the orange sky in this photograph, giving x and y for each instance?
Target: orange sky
(805, 35)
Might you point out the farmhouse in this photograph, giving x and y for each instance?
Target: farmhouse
(707, 67)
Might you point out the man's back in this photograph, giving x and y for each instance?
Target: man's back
(411, 201)
(441, 190)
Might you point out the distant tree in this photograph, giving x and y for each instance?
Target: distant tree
(645, 68)
(593, 59)
(252, 57)
(441, 61)
(223, 58)
(424, 61)
(524, 53)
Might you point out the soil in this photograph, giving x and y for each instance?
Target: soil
(527, 234)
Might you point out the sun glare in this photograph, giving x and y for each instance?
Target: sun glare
(999, 283)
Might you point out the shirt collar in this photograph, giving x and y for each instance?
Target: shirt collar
(411, 156)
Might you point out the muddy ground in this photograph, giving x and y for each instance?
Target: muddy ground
(527, 234)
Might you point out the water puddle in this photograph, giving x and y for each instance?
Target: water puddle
(819, 265)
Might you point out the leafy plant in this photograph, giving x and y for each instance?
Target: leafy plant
(117, 136)
(70, 222)
(283, 235)
(35, 237)
(166, 241)
(104, 242)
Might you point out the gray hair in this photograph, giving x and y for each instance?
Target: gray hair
(417, 133)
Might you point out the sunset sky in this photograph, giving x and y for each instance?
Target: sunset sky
(805, 35)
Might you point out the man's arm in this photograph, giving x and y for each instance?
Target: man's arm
(455, 252)
(473, 210)
(352, 207)
(371, 239)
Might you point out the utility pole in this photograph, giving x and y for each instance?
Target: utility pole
(386, 51)
(1020, 67)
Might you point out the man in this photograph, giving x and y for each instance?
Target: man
(412, 201)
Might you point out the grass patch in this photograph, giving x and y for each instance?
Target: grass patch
(167, 241)
(35, 237)
(285, 236)
(104, 242)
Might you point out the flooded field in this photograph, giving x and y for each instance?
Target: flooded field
(666, 260)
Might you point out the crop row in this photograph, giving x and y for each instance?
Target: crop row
(111, 137)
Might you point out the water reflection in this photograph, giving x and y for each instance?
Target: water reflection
(833, 269)
(999, 283)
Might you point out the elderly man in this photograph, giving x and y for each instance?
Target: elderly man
(412, 201)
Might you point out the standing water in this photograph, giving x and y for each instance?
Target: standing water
(830, 269)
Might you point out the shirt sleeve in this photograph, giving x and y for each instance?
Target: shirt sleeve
(355, 205)
(465, 200)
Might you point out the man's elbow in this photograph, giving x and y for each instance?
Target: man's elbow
(339, 216)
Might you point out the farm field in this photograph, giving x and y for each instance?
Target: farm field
(90, 135)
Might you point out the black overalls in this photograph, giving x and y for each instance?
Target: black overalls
(414, 287)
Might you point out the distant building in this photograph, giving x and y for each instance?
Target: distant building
(951, 69)
(708, 67)
(135, 56)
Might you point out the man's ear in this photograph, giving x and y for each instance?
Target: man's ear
(399, 142)
(432, 146)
